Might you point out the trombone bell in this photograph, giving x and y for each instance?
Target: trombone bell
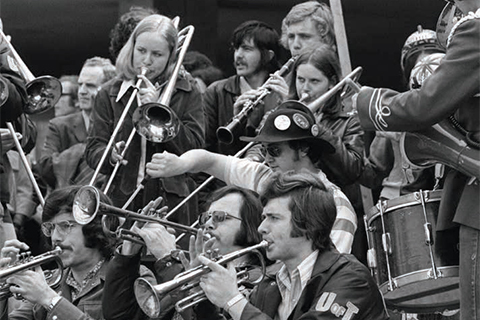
(43, 93)
(156, 122)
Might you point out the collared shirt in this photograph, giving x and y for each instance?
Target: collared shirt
(255, 176)
(78, 287)
(291, 286)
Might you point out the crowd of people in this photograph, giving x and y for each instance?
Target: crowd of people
(281, 228)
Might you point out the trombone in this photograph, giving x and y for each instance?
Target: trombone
(53, 278)
(350, 79)
(149, 296)
(87, 205)
(43, 93)
(156, 121)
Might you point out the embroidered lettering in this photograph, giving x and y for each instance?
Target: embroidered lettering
(351, 310)
(337, 310)
(325, 301)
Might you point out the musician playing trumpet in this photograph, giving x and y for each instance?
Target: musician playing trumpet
(86, 252)
(315, 281)
(152, 46)
(231, 220)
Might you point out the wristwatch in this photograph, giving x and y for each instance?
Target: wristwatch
(53, 303)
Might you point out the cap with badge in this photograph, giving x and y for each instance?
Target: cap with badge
(292, 120)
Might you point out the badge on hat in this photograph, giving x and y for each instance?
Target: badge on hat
(301, 121)
(282, 122)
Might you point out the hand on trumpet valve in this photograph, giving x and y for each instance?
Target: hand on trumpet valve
(220, 284)
(32, 286)
(10, 253)
(148, 93)
(116, 155)
(198, 245)
(167, 164)
(159, 240)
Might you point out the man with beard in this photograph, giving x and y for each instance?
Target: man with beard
(231, 221)
(85, 255)
(256, 50)
(62, 162)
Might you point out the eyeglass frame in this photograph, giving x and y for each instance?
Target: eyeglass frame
(273, 150)
(60, 230)
(215, 221)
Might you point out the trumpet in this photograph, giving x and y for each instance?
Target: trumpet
(149, 296)
(228, 133)
(42, 92)
(87, 205)
(53, 278)
(157, 122)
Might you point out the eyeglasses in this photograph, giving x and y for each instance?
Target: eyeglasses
(63, 227)
(217, 216)
(273, 150)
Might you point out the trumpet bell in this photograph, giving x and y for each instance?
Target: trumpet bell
(147, 298)
(156, 122)
(43, 93)
(86, 204)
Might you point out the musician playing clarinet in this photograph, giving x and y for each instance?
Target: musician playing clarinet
(255, 53)
(315, 281)
(152, 45)
(451, 91)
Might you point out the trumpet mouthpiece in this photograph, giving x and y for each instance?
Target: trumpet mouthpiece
(304, 97)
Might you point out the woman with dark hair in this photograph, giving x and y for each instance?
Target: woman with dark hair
(314, 73)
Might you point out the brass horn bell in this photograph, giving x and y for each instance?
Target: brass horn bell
(155, 122)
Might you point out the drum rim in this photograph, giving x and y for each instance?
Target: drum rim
(432, 196)
(415, 277)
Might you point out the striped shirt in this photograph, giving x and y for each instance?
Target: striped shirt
(291, 287)
(255, 176)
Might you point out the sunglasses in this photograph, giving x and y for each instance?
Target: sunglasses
(63, 227)
(272, 150)
(217, 216)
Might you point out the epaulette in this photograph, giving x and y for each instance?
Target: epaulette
(471, 15)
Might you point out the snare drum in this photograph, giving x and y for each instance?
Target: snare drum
(416, 268)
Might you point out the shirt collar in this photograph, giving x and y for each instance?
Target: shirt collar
(304, 270)
(126, 84)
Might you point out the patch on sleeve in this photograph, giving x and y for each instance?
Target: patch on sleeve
(327, 303)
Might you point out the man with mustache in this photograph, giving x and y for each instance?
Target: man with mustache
(231, 220)
(86, 252)
(62, 162)
(315, 281)
(255, 52)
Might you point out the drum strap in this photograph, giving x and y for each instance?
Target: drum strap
(468, 135)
